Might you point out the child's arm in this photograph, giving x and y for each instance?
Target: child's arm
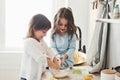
(71, 47)
(51, 59)
(53, 47)
(56, 62)
(53, 64)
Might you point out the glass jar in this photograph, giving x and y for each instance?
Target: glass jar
(116, 11)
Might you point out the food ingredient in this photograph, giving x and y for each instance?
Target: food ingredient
(52, 78)
(88, 77)
(77, 71)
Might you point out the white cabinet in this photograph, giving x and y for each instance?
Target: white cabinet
(113, 48)
(114, 45)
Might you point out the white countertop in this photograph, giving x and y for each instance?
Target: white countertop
(85, 71)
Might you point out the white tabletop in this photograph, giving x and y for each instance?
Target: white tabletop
(85, 71)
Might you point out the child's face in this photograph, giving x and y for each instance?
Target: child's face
(62, 26)
(39, 34)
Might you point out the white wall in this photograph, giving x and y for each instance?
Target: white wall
(9, 61)
(80, 10)
(114, 46)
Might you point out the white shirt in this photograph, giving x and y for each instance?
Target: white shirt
(34, 59)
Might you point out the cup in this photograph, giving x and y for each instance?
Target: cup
(117, 76)
(108, 74)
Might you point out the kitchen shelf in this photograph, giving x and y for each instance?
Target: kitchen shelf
(108, 20)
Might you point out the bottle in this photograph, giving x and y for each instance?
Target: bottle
(48, 74)
(116, 11)
(119, 9)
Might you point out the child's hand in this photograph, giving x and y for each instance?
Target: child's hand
(95, 4)
(57, 67)
(63, 57)
(52, 64)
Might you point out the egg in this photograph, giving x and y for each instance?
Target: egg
(88, 77)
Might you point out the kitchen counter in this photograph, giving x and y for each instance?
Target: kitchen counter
(85, 71)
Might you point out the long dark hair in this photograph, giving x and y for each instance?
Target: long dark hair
(67, 14)
(38, 22)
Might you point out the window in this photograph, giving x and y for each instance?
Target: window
(15, 16)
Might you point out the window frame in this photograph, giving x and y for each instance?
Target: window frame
(2, 24)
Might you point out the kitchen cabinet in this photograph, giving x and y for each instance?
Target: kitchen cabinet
(113, 48)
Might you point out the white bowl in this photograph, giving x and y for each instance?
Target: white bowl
(60, 73)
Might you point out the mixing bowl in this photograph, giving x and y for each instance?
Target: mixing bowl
(60, 73)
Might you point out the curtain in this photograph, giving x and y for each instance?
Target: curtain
(96, 52)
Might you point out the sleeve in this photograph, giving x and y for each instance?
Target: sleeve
(49, 51)
(53, 47)
(72, 46)
(32, 48)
